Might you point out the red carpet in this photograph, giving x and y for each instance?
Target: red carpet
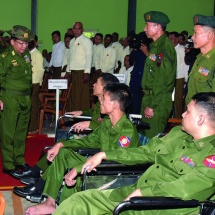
(34, 145)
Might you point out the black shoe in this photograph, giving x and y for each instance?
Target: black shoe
(12, 173)
(19, 175)
(28, 180)
(23, 167)
(28, 190)
(35, 198)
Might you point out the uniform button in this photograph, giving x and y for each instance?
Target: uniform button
(159, 150)
(183, 147)
(171, 161)
(146, 181)
(157, 167)
(181, 170)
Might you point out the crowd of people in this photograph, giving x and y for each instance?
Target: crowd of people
(165, 74)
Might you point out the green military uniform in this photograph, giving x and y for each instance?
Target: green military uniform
(97, 118)
(202, 75)
(182, 167)
(105, 137)
(158, 78)
(15, 83)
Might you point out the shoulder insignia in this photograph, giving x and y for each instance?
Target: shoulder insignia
(4, 54)
(124, 141)
(209, 161)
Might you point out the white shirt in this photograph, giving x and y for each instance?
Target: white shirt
(127, 73)
(105, 59)
(124, 52)
(182, 68)
(118, 49)
(96, 48)
(80, 54)
(58, 50)
(37, 66)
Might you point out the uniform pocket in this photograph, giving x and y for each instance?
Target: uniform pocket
(200, 77)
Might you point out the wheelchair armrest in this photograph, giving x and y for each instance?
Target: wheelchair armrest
(155, 202)
(88, 152)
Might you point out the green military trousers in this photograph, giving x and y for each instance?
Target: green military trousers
(13, 127)
(66, 159)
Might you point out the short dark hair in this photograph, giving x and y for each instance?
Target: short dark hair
(206, 100)
(56, 32)
(109, 35)
(119, 92)
(99, 34)
(182, 35)
(108, 78)
(176, 34)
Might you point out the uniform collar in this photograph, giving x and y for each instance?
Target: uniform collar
(208, 56)
(158, 41)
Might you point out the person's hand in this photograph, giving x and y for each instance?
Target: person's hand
(80, 126)
(144, 49)
(1, 105)
(86, 78)
(74, 113)
(135, 193)
(70, 177)
(52, 153)
(93, 162)
(148, 112)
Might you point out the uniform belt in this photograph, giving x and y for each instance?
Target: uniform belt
(147, 92)
(15, 92)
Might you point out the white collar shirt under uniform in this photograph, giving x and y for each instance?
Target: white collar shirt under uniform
(182, 68)
(80, 54)
(58, 51)
(37, 66)
(96, 48)
(106, 60)
(127, 74)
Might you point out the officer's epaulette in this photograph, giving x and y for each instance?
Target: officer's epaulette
(213, 142)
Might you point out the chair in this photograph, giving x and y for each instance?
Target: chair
(147, 203)
(2, 204)
(49, 106)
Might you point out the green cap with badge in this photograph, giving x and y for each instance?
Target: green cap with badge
(21, 33)
(156, 17)
(209, 21)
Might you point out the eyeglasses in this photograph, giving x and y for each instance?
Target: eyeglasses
(22, 44)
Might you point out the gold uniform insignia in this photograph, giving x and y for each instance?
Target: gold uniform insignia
(148, 17)
(25, 35)
(196, 19)
(14, 62)
(13, 53)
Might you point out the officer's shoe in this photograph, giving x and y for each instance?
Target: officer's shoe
(12, 172)
(28, 180)
(28, 190)
(23, 167)
(24, 173)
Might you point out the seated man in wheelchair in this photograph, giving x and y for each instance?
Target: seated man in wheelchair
(115, 132)
(31, 175)
(183, 166)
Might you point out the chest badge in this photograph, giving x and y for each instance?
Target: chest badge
(203, 71)
(187, 160)
(124, 141)
(209, 161)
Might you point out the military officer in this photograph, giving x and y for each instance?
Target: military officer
(182, 166)
(159, 74)
(202, 75)
(15, 102)
(114, 132)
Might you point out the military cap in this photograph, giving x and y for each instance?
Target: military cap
(21, 33)
(156, 17)
(199, 19)
(1, 33)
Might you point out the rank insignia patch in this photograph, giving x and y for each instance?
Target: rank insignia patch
(152, 57)
(209, 161)
(203, 71)
(124, 141)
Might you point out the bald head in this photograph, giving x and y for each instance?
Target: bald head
(77, 29)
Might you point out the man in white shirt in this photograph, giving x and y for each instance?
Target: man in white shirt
(181, 75)
(118, 49)
(58, 51)
(79, 62)
(37, 76)
(126, 49)
(105, 59)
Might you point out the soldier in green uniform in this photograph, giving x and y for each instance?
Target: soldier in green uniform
(182, 166)
(202, 75)
(15, 102)
(115, 132)
(159, 74)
